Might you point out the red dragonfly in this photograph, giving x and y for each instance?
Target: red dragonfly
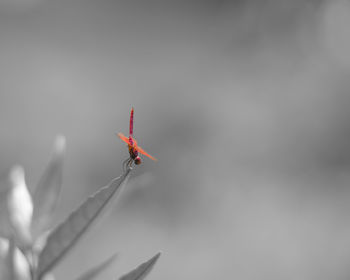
(134, 149)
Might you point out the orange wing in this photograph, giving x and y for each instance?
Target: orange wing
(140, 150)
(124, 138)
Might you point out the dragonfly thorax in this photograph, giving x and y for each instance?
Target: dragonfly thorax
(133, 152)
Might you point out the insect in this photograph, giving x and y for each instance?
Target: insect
(134, 149)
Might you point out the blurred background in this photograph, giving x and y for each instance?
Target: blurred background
(244, 103)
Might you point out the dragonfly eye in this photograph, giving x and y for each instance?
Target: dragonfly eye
(137, 160)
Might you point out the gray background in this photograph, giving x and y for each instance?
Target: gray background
(244, 103)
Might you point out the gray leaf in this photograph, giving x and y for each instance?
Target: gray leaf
(14, 265)
(48, 189)
(10, 273)
(66, 234)
(140, 272)
(93, 272)
(20, 208)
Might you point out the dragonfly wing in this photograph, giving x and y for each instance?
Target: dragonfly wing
(141, 151)
(124, 138)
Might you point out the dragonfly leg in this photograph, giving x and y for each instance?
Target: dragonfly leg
(130, 162)
(126, 163)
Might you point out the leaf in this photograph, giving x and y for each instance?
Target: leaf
(9, 273)
(48, 189)
(4, 245)
(5, 225)
(142, 270)
(14, 265)
(20, 207)
(21, 265)
(40, 242)
(66, 234)
(93, 272)
(48, 276)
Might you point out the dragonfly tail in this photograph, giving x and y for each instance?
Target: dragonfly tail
(131, 127)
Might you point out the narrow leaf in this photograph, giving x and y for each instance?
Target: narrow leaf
(9, 274)
(140, 272)
(20, 207)
(66, 234)
(48, 189)
(6, 230)
(48, 276)
(14, 265)
(95, 271)
(40, 242)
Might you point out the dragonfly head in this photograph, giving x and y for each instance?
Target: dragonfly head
(137, 160)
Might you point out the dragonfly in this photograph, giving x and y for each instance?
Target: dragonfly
(134, 148)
